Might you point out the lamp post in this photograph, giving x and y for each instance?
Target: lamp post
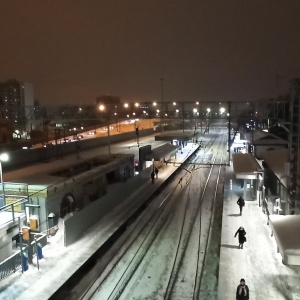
(3, 157)
(102, 108)
(162, 105)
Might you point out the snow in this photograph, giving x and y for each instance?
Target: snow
(286, 231)
(259, 263)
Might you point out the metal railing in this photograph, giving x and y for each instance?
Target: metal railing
(13, 208)
(10, 265)
(14, 262)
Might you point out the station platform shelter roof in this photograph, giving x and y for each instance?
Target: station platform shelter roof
(176, 135)
(159, 153)
(285, 230)
(245, 166)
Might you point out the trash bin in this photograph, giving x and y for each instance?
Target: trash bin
(39, 250)
(25, 261)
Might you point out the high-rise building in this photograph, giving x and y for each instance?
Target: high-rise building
(17, 102)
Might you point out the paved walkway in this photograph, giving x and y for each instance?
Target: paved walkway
(258, 263)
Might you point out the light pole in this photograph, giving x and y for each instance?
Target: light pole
(102, 108)
(162, 105)
(3, 157)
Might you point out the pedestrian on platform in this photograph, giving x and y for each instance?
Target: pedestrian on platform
(156, 172)
(241, 204)
(241, 235)
(242, 291)
(152, 176)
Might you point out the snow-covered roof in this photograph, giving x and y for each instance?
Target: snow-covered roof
(176, 135)
(52, 178)
(245, 166)
(265, 138)
(160, 152)
(286, 231)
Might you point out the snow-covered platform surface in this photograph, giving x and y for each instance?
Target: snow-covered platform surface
(259, 263)
(286, 230)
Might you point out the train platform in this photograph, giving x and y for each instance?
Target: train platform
(258, 262)
(59, 263)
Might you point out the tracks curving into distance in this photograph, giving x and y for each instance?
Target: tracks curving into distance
(164, 254)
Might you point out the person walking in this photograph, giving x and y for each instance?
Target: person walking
(241, 204)
(242, 291)
(241, 235)
(156, 172)
(152, 177)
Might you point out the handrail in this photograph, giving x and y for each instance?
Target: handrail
(17, 202)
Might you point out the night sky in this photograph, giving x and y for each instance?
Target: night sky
(73, 51)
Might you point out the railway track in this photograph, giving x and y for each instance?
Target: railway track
(138, 255)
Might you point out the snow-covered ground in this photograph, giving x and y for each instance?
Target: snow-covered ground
(259, 263)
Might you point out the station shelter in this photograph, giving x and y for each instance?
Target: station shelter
(284, 214)
(250, 175)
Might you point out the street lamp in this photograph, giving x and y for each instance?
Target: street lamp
(3, 157)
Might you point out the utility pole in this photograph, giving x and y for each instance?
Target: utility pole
(162, 104)
(229, 131)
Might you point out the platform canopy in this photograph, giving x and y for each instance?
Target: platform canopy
(245, 166)
(159, 153)
(286, 231)
(176, 135)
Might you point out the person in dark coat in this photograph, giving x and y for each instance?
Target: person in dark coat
(241, 203)
(152, 176)
(242, 291)
(241, 235)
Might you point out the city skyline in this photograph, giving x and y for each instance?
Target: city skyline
(203, 51)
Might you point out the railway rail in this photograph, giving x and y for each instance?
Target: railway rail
(127, 270)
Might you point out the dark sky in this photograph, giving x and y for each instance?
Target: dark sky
(73, 51)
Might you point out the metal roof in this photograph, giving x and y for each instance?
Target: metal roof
(160, 152)
(245, 166)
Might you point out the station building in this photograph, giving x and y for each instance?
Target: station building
(47, 197)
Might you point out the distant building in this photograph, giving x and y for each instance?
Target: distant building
(17, 102)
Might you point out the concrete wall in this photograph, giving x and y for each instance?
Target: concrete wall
(85, 188)
(82, 220)
(28, 156)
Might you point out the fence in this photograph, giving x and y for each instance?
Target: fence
(14, 262)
